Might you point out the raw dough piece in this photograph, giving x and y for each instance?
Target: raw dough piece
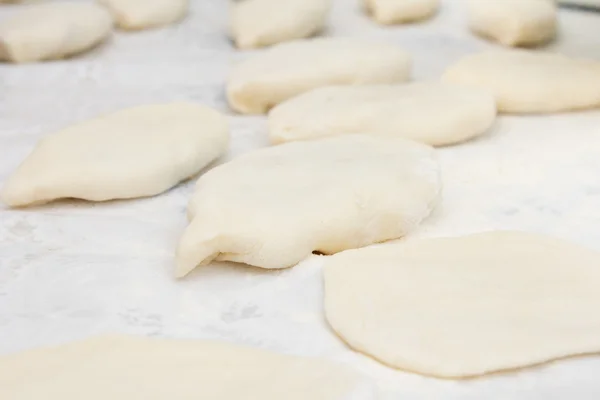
(130, 368)
(141, 151)
(52, 31)
(466, 306)
(514, 22)
(144, 14)
(273, 207)
(288, 69)
(400, 11)
(432, 113)
(531, 82)
(287, 20)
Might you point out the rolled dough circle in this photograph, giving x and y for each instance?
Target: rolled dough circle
(466, 306)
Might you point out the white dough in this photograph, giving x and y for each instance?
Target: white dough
(514, 22)
(144, 14)
(136, 368)
(51, 31)
(273, 207)
(136, 152)
(286, 70)
(530, 82)
(432, 113)
(401, 11)
(258, 23)
(466, 306)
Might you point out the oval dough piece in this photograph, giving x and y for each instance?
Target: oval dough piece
(273, 207)
(287, 20)
(145, 14)
(514, 22)
(432, 113)
(288, 69)
(530, 82)
(389, 12)
(52, 31)
(466, 306)
(136, 152)
(136, 368)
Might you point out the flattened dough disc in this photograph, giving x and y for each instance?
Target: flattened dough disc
(130, 368)
(466, 306)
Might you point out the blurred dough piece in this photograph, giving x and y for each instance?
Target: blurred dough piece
(52, 31)
(432, 113)
(273, 207)
(400, 11)
(257, 23)
(466, 306)
(145, 14)
(286, 70)
(137, 368)
(531, 82)
(514, 22)
(136, 152)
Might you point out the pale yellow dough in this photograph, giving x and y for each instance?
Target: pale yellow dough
(136, 368)
(466, 306)
(136, 152)
(286, 20)
(146, 14)
(273, 207)
(401, 11)
(289, 69)
(52, 30)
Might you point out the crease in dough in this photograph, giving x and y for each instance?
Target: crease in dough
(273, 207)
(287, 20)
(466, 306)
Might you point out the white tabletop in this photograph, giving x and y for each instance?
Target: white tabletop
(73, 269)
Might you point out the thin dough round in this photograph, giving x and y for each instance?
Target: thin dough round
(431, 113)
(136, 152)
(287, 20)
(52, 31)
(514, 22)
(466, 306)
(273, 207)
(530, 82)
(146, 14)
(288, 69)
(136, 368)
(389, 12)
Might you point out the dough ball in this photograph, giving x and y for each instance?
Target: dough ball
(466, 306)
(136, 368)
(514, 22)
(52, 31)
(531, 82)
(273, 207)
(287, 20)
(389, 12)
(145, 14)
(288, 69)
(432, 113)
(137, 152)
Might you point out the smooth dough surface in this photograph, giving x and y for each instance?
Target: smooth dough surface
(273, 207)
(144, 14)
(466, 306)
(52, 31)
(401, 11)
(514, 22)
(136, 368)
(287, 20)
(136, 152)
(288, 69)
(530, 82)
(433, 113)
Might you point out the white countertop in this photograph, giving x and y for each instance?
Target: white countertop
(73, 269)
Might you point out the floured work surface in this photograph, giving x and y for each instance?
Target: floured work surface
(72, 269)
